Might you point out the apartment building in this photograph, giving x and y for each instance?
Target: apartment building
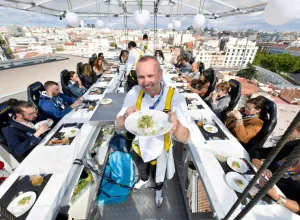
(277, 49)
(239, 52)
(236, 53)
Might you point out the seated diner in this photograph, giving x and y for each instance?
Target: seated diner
(289, 184)
(220, 98)
(245, 123)
(89, 78)
(23, 132)
(75, 84)
(201, 85)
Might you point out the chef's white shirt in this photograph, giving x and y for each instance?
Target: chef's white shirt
(150, 46)
(178, 106)
(133, 57)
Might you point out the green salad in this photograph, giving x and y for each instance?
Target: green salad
(24, 201)
(145, 121)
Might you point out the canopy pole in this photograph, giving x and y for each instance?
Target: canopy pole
(125, 25)
(294, 124)
(155, 25)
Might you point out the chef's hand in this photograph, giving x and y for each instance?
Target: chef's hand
(130, 110)
(173, 119)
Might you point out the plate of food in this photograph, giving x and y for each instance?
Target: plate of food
(237, 164)
(56, 141)
(71, 133)
(180, 90)
(192, 107)
(106, 101)
(96, 91)
(236, 181)
(150, 123)
(37, 180)
(22, 203)
(210, 128)
(39, 124)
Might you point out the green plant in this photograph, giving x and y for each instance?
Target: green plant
(249, 72)
(277, 62)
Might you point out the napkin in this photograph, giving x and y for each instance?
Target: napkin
(150, 147)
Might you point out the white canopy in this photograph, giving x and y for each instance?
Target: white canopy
(172, 8)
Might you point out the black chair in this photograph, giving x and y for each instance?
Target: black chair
(212, 86)
(235, 95)
(79, 68)
(33, 93)
(64, 83)
(92, 59)
(269, 116)
(5, 111)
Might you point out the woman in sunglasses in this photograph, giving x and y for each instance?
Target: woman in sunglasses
(245, 124)
(289, 184)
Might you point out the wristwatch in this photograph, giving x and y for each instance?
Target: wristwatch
(281, 201)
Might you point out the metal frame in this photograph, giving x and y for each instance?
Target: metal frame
(40, 4)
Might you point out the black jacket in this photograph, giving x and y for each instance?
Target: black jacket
(20, 138)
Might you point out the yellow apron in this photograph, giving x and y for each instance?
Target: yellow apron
(147, 48)
(167, 136)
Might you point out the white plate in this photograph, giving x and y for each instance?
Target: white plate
(231, 178)
(71, 133)
(243, 166)
(18, 210)
(160, 119)
(38, 125)
(213, 130)
(196, 102)
(195, 114)
(192, 107)
(106, 101)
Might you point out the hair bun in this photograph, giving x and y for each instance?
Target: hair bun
(12, 101)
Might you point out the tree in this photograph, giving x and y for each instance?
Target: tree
(277, 62)
(249, 72)
(59, 49)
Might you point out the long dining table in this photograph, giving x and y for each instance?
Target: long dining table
(204, 152)
(58, 159)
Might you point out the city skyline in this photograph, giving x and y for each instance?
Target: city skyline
(247, 21)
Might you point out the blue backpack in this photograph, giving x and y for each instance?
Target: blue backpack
(119, 174)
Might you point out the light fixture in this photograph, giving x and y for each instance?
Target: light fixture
(278, 12)
(99, 24)
(141, 18)
(176, 24)
(72, 19)
(198, 21)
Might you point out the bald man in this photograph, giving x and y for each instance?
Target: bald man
(151, 93)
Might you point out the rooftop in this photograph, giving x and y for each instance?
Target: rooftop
(29, 74)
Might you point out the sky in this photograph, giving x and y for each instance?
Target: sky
(10, 16)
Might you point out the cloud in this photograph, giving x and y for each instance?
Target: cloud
(245, 21)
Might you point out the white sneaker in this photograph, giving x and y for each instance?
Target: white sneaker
(140, 183)
(159, 198)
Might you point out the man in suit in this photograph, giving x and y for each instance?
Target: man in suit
(21, 134)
